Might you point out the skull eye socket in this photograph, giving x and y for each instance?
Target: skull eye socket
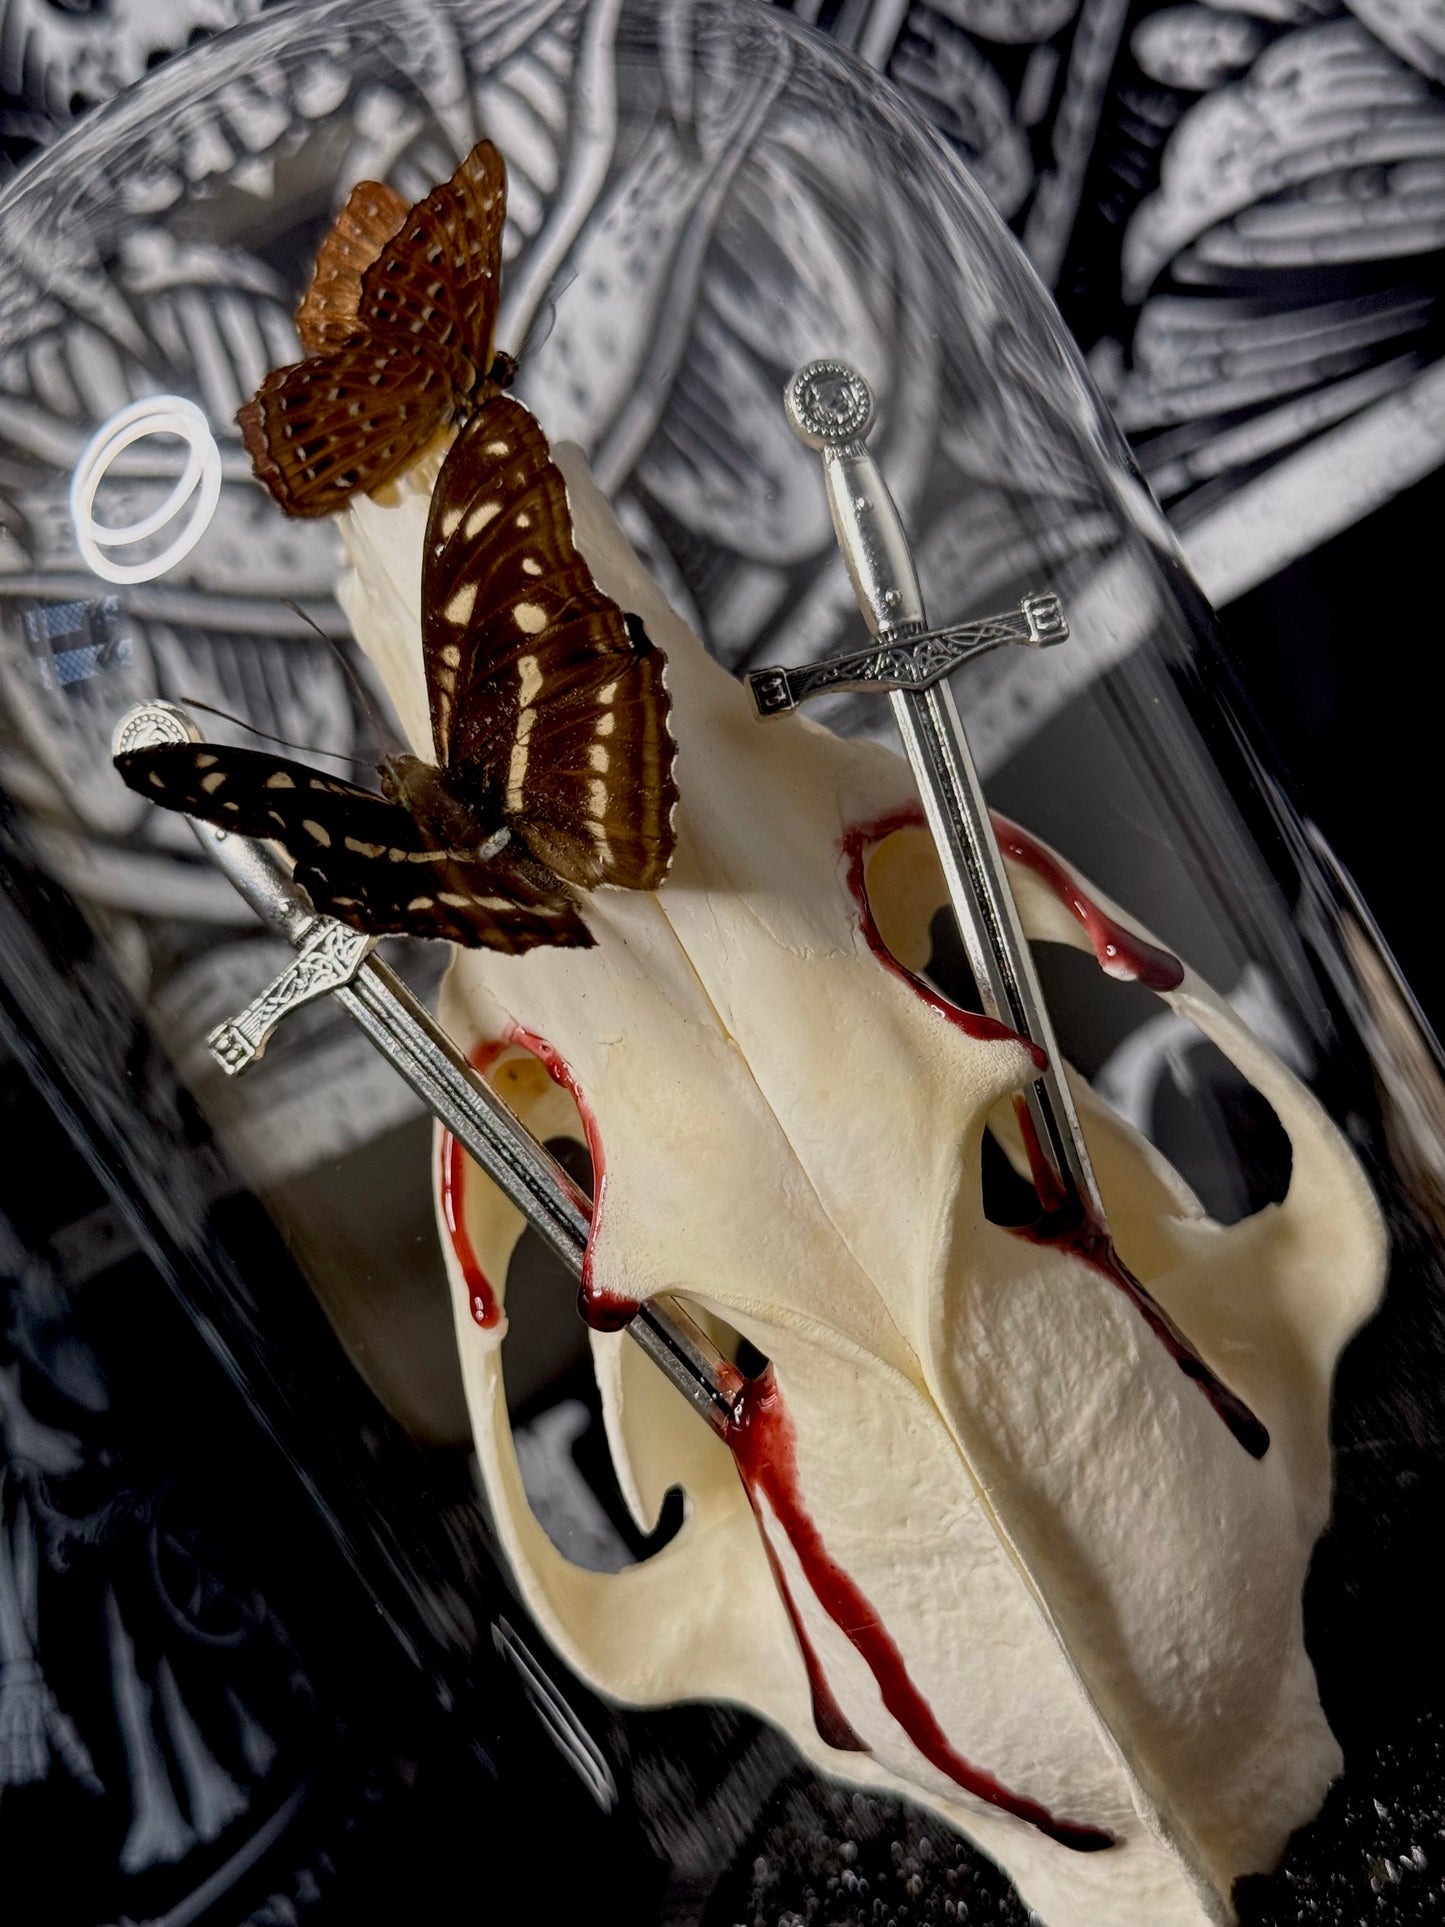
(1148, 1064)
(553, 1403)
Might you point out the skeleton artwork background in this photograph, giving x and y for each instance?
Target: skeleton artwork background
(1264, 330)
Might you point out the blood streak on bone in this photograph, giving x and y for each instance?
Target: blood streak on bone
(451, 1180)
(1082, 1238)
(1051, 1194)
(764, 1447)
(1120, 953)
(833, 1725)
(857, 842)
(603, 1310)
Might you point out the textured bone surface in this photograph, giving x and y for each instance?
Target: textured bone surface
(1093, 1588)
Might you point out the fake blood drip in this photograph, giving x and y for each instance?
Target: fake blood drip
(1080, 1236)
(1045, 1179)
(1120, 954)
(856, 844)
(763, 1444)
(602, 1310)
(481, 1299)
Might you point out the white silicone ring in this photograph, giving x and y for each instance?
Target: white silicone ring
(152, 415)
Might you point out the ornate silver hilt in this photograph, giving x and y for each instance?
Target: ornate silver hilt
(830, 407)
(328, 953)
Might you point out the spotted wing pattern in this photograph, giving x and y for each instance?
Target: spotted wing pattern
(320, 431)
(401, 328)
(327, 317)
(549, 706)
(360, 857)
(437, 280)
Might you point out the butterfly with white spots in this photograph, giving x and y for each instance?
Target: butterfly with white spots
(553, 766)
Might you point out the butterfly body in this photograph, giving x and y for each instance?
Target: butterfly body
(552, 758)
(429, 795)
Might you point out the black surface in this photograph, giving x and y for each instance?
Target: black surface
(1339, 655)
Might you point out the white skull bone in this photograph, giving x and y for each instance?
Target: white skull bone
(1071, 1599)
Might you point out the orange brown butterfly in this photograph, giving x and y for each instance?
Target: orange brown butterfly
(549, 710)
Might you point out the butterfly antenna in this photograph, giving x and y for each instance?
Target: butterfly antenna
(284, 742)
(371, 708)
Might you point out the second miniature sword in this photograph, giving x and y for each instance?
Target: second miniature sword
(830, 407)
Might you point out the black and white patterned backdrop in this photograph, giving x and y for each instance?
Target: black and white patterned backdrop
(1240, 210)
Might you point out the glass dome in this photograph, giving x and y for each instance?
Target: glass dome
(701, 200)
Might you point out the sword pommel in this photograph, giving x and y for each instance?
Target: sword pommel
(829, 405)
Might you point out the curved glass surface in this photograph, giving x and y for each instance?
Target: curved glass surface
(701, 200)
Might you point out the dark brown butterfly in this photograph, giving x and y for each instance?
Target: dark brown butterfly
(549, 722)
(397, 323)
(549, 713)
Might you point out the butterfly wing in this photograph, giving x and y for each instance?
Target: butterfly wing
(601, 804)
(400, 324)
(358, 856)
(324, 428)
(437, 280)
(327, 317)
(546, 699)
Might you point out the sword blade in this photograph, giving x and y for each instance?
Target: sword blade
(401, 1027)
(983, 905)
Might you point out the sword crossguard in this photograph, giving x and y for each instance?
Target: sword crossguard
(328, 953)
(911, 661)
(1046, 619)
(329, 956)
(829, 406)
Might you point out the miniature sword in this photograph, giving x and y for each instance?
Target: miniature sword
(830, 407)
(333, 959)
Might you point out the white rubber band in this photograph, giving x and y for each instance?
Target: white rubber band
(153, 415)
